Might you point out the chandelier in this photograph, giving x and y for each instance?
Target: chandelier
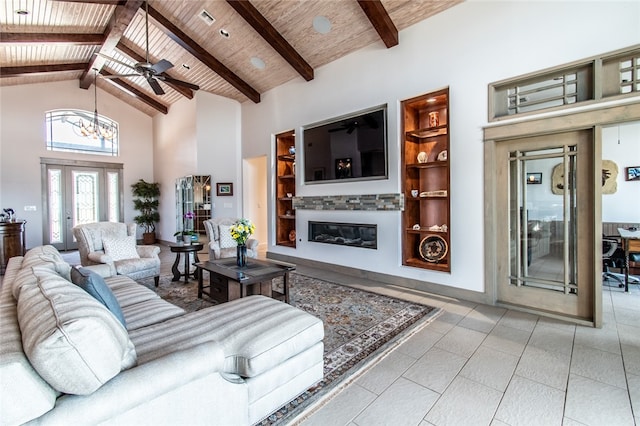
(95, 128)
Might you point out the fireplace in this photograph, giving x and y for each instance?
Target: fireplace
(344, 234)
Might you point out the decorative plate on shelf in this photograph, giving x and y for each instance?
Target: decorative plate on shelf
(433, 248)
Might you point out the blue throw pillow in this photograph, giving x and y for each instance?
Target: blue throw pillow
(94, 284)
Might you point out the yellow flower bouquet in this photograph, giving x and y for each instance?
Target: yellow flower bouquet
(242, 230)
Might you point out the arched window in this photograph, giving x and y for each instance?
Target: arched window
(81, 131)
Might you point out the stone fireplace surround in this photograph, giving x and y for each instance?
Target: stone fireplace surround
(347, 234)
(368, 202)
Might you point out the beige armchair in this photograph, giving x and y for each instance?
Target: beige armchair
(113, 245)
(221, 245)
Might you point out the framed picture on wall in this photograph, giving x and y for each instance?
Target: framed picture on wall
(223, 189)
(633, 173)
(534, 178)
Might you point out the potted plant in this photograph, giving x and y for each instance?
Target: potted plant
(187, 235)
(147, 200)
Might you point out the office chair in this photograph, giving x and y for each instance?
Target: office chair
(609, 247)
(613, 257)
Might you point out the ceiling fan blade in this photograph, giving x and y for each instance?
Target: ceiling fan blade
(178, 82)
(116, 61)
(161, 66)
(155, 86)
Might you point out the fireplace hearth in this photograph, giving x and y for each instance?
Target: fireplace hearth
(344, 234)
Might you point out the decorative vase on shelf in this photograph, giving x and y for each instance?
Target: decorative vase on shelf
(241, 255)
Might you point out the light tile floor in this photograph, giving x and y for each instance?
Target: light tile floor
(484, 365)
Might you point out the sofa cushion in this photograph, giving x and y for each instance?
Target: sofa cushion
(150, 312)
(129, 292)
(23, 393)
(226, 240)
(40, 256)
(257, 333)
(121, 248)
(71, 339)
(94, 284)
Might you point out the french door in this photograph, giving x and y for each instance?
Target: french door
(78, 193)
(545, 198)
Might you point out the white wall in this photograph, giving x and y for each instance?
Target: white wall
(465, 48)
(200, 136)
(174, 153)
(22, 143)
(218, 135)
(621, 144)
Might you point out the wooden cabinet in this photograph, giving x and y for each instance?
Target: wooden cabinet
(12, 242)
(285, 189)
(425, 182)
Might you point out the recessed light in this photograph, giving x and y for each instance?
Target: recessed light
(322, 24)
(22, 12)
(186, 67)
(224, 33)
(258, 63)
(431, 100)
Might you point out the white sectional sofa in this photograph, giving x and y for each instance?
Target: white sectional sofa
(65, 358)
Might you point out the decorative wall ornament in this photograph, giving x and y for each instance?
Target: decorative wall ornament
(633, 173)
(609, 178)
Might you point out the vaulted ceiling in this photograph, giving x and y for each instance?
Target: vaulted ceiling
(236, 48)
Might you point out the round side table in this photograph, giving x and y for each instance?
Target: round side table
(185, 249)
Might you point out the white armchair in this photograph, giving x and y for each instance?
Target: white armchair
(113, 245)
(221, 245)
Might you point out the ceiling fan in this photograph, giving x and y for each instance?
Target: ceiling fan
(151, 72)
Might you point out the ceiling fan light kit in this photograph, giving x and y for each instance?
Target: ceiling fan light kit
(95, 129)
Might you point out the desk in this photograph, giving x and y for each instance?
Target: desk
(630, 242)
(185, 249)
(227, 281)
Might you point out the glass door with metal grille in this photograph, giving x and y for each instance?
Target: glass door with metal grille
(77, 195)
(546, 198)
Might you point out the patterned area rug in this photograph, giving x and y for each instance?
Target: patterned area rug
(360, 328)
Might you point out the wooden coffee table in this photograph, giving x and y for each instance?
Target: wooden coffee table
(228, 282)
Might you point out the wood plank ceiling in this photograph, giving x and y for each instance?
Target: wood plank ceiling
(269, 42)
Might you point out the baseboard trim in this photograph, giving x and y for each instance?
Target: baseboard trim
(408, 283)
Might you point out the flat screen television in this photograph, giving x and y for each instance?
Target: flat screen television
(348, 148)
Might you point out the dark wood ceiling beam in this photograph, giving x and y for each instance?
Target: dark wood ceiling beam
(381, 21)
(203, 56)
(137, 93)
(120, 20)
(32, 38)
(184, 91)
(21, 71)
(263, 27)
